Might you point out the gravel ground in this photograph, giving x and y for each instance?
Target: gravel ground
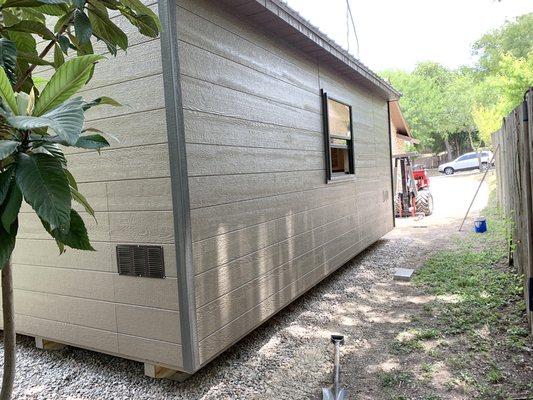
(289, 357)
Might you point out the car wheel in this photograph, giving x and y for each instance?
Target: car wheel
(484, 166)
(448, 171)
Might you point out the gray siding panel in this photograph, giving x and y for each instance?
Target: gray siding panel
(79, 298)
(265, 225)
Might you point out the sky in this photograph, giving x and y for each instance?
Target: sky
(397, 34)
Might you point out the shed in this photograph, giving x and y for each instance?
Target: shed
(253, 161)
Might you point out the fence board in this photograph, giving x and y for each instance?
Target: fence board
(514, 161)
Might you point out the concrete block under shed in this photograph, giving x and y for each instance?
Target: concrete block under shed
(403, 274)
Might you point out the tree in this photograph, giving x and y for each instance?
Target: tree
(35, 125)
(514, 38)
(435, 102)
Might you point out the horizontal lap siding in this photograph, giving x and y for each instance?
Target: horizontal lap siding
(79, 298)
(265, 226)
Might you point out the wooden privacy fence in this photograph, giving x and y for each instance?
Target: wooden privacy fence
(514, 160)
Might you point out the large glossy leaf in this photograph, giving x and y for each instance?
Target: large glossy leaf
(105, 29)
(31, 3)
(59, 58)
(66, 121)
(35, 27)
(95, 142)
(6, 92)
(76, 237)
(79, 198)
(53, 9)
(141, 9)
(23, 100)
(8, 58)
(100, 101)
(7, 243)
(82, 27)
(66, 81)
(7, 147)
(5, 183)
(45, 187)
(12, 207)
(146, 24)
(33, 59)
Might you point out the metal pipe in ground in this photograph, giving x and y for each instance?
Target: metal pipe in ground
(336, 393)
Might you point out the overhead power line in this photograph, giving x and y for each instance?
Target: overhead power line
(349, 17)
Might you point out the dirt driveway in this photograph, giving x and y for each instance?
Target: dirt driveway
(289, 357)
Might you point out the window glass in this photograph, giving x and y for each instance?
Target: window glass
(339, 119)
(339, 143)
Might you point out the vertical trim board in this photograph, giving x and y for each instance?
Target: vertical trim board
(179, 182)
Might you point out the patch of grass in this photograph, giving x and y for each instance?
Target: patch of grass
(413, 340)
(482, 293)
(406, 346)
(494, 375)
(396, 378)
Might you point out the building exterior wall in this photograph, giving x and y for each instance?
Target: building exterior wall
(265, 225)
(79, 298)
(399, 146)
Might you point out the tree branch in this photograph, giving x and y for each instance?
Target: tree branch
(43, 54)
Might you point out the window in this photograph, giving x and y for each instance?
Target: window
(338, 138)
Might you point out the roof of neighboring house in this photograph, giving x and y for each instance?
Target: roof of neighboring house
(400, 124)
(282, 21)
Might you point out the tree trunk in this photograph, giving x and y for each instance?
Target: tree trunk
(471, 141)
(9, 333)
(448, 148)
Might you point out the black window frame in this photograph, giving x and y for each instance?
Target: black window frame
(330, 176)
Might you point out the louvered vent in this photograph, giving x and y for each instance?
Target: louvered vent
(145, 261)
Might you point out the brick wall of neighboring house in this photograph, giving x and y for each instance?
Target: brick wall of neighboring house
(399, 146)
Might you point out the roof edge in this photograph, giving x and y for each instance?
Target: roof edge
(334, 48)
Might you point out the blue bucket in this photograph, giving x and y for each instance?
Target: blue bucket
(480, 225)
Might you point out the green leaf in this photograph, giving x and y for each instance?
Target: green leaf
(8, 147)
(8, 58)
(59, 59)
(35, 27)
(23, 100)
(33, 59)
(53, 9)
(76, 237)
(95, 142)
(101, 101)
(141, 9)
(146, 24)
(82, 27)
(66, 121)
(5, 183)
(7, 244)
(66, 81)
(12, 207)
(64, 43)
(45, 187)
(79, 198)
(106, 30)
(31, 14)
(54, 150)
(31, 3)
(6, 92)
(71, 179)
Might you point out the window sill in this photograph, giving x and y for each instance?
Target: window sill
(342, 178)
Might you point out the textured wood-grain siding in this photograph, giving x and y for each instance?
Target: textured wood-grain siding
(79, 298)
(265, 225)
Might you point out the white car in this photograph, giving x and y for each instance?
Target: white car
(467, 161)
